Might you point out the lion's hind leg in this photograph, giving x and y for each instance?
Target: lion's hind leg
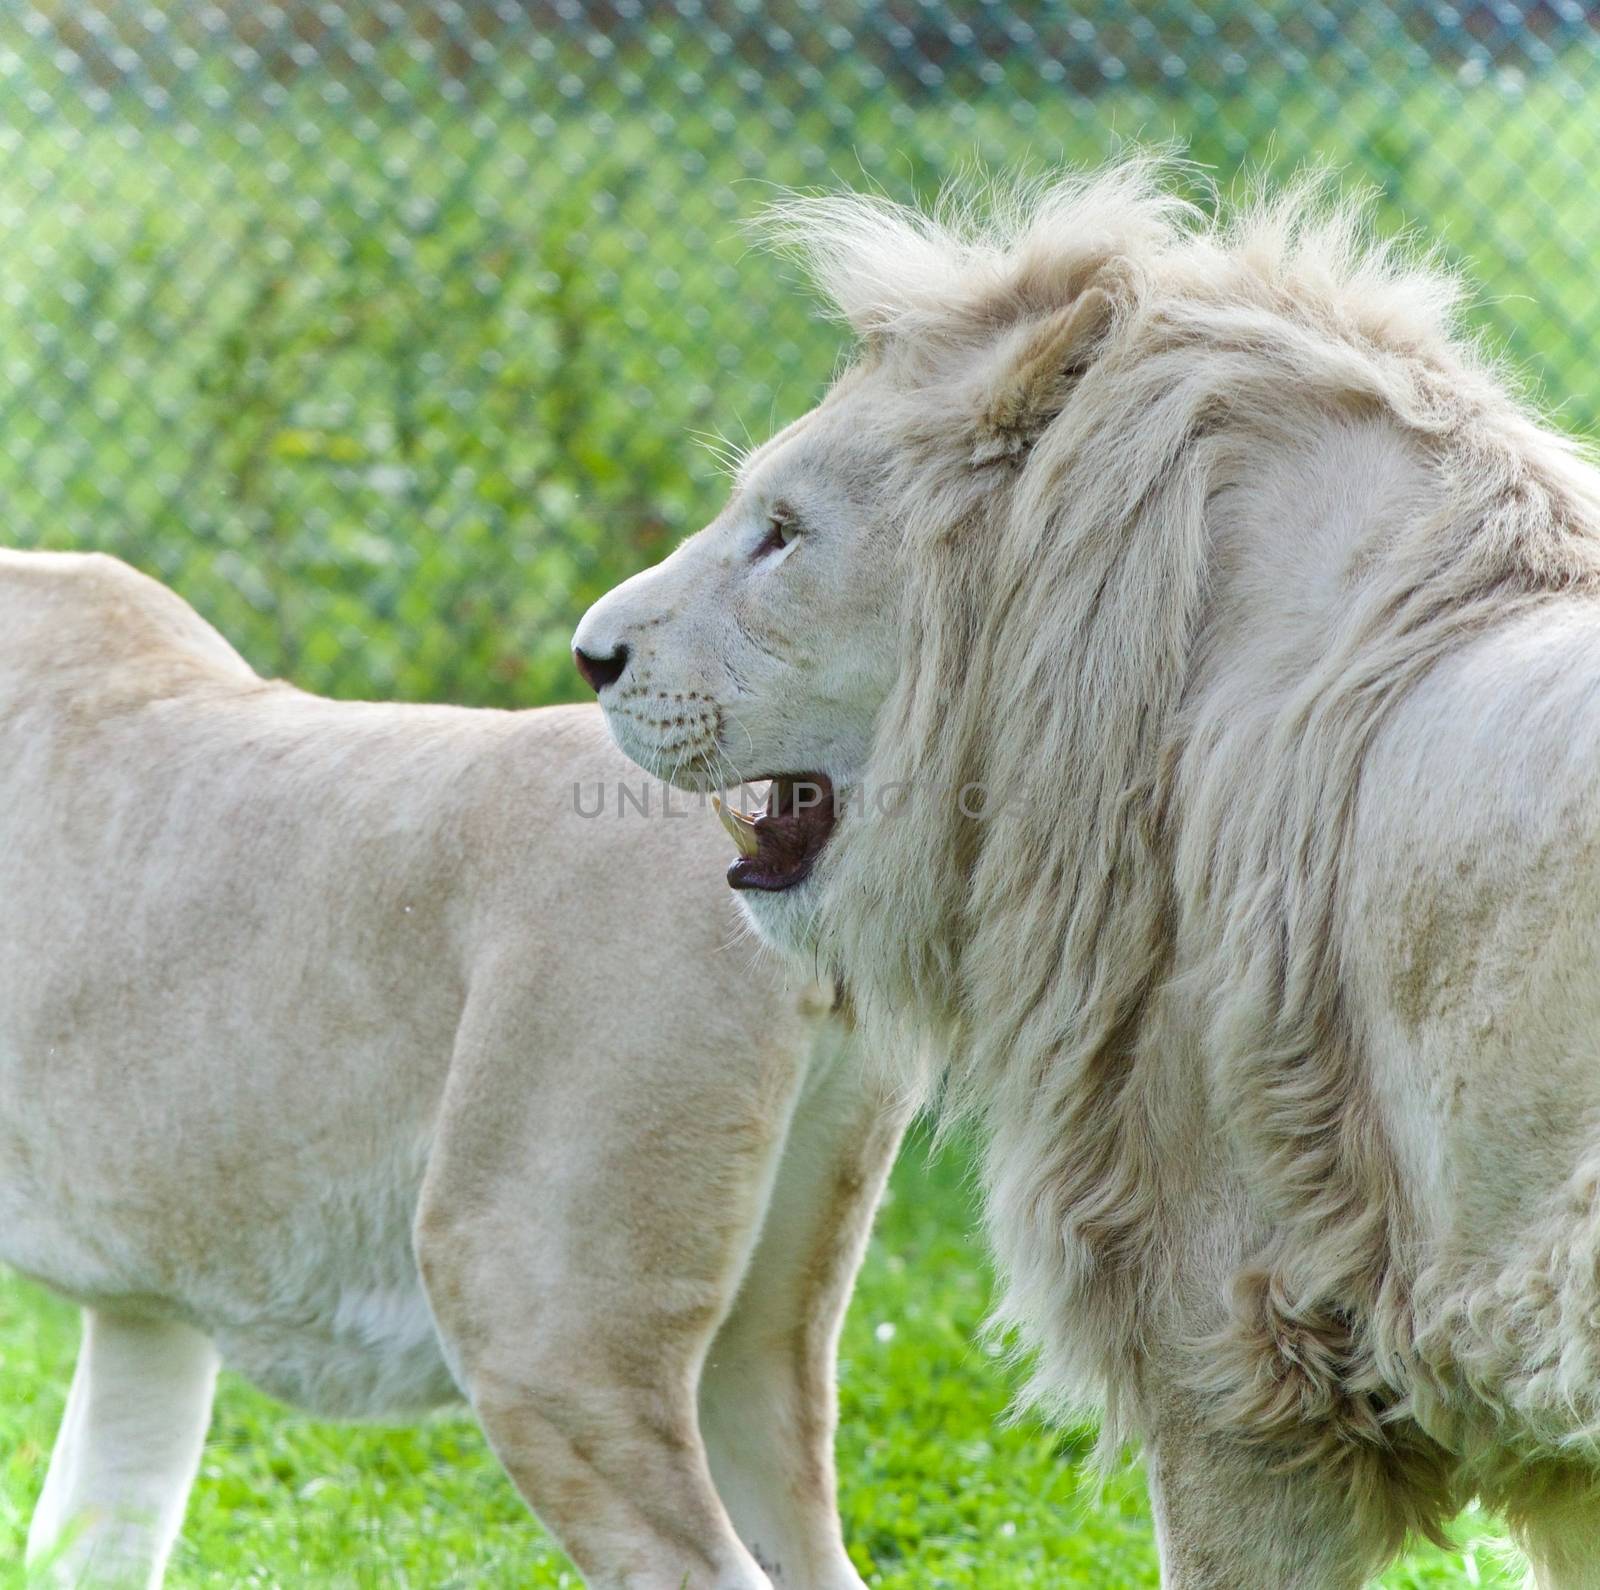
(126, 1454)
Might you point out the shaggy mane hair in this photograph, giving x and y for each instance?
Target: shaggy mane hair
(1062, 573)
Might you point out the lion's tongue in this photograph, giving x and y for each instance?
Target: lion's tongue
(780, 847)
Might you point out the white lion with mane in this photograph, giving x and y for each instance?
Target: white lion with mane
(1269, 622)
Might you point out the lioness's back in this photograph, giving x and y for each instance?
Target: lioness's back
(239, 929)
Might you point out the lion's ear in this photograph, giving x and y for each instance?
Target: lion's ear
(1037, 368)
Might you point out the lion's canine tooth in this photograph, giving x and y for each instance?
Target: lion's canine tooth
(741, 829)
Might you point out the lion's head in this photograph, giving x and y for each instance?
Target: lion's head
(836, 592)
(764, 647)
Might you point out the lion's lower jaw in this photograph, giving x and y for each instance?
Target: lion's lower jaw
(785, 920)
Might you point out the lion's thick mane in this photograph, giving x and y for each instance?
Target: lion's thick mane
(1061, 583)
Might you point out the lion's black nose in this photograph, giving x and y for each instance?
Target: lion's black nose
(600, 671)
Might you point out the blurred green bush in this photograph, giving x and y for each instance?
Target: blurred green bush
(391, 338)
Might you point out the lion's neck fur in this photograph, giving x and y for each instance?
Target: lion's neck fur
(1277, 495)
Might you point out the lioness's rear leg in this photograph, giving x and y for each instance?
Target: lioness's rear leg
(579, 1252)
(767, 1397)
(126, 1454)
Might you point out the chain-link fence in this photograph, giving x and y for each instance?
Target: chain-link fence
(390, 331)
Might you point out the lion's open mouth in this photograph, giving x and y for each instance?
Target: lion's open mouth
(779, 847)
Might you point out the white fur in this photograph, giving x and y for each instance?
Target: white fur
(1213, 548)
(127, 1452)
(335, 1043)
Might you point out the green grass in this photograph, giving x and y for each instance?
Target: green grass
(938, 1489)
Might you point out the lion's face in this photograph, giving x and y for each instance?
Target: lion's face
(763, 648)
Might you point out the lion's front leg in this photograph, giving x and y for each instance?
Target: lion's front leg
(1553, 1508)
(1272, 1459)
(581, 1361)
(1299, 1507)
(584, 1223)
(1224, 1519)
(767, 1398)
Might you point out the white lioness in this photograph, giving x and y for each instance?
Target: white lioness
(337, 1045)
(1267, 622)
